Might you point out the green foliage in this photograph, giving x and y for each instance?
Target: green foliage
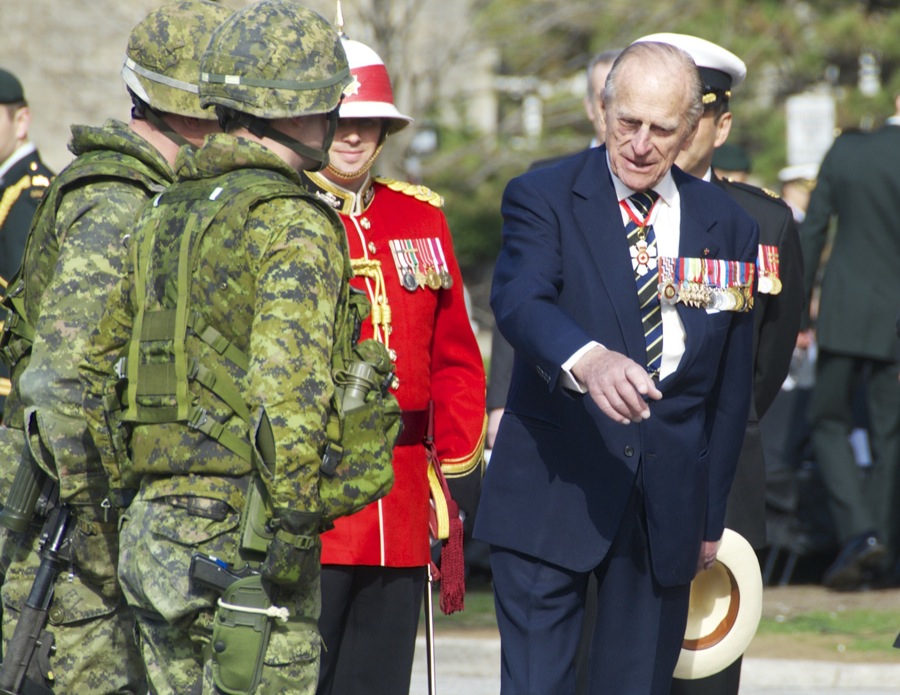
(471, 172)
(790, 46)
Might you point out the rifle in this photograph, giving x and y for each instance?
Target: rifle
(26, 667)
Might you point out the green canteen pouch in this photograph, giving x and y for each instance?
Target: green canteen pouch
(365, 472)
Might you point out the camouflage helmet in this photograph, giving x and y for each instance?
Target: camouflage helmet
(162, 61)
(274, 59)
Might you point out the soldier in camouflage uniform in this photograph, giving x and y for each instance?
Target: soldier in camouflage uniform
(74, 255)
(374, 562)
(268, 268)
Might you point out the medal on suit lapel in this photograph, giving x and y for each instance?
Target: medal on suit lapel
(668, 291)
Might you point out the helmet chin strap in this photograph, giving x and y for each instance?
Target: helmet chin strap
(164, 128)
(264, 129)
(142, 109)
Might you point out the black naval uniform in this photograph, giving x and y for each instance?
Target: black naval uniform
(776, 322)
(21, 188)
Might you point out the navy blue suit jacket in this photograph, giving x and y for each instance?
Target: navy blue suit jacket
(561, 471)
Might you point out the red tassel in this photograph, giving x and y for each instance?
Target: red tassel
(453, 568)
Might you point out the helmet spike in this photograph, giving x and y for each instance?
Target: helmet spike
(339, 20)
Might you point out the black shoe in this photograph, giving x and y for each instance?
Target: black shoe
(858, 563)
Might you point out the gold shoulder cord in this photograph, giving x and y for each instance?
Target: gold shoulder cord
(11, 195)
(381, 310)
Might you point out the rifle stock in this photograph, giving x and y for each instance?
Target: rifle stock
(26, 666)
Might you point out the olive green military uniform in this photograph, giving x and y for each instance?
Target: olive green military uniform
(74, 255)
(268, 280)
(858, 348)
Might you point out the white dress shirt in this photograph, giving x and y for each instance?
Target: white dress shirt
(666, 221)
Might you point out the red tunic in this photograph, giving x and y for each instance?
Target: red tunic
(437, 358)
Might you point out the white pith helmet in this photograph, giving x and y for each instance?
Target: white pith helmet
(370, 95)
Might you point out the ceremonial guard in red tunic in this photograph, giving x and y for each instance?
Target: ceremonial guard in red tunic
(374, 562)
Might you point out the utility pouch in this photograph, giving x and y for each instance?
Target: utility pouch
(240, 636)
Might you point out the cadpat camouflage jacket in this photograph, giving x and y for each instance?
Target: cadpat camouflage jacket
(73, 257)
(268, 281)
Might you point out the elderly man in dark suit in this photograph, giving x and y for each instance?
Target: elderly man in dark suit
(622, 285)
(859, 184)
(501, 351)
(777, 307)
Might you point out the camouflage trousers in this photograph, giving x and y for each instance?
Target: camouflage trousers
(93, 628)
(175, 617)
(12, 452)
(11, 449)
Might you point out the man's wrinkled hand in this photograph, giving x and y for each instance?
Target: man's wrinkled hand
(708, 552)
(617, 384)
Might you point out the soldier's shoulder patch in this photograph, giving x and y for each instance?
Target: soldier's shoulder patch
(414, 190)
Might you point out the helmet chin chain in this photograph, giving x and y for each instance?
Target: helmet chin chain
(345, 176)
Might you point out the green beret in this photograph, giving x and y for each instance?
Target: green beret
(10, 88)
(731, 158)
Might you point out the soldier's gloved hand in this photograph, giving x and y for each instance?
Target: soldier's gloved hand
(293, 555)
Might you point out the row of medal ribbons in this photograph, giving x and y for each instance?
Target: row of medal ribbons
(421, 263)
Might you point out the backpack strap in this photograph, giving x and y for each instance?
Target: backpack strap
(18, 334)
(160, 392)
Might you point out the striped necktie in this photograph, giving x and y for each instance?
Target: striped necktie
(642, 246)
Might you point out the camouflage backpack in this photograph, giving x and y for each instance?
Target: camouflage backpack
(18, 334)
(176, 362)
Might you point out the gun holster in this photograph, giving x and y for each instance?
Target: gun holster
(240, 636)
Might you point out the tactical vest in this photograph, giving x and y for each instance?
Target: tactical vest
(92, 167)
(182, 397)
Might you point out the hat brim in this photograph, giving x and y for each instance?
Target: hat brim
(375, 109)
(724, 612)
